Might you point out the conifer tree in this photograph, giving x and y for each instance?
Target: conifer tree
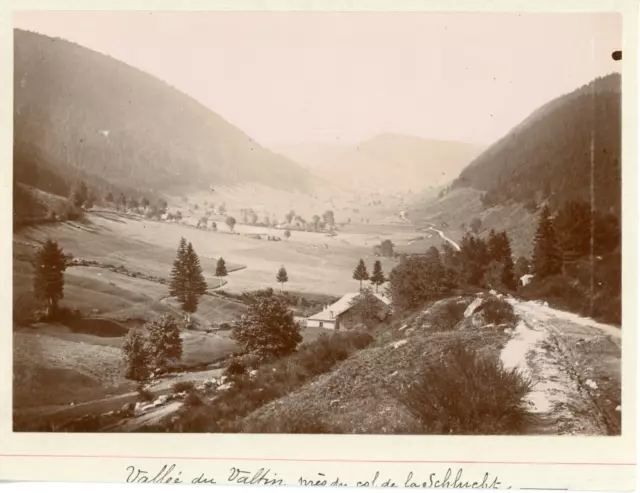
(377, 276)
(48, 281)
(177, 284)
(195, 285)
(547, 256)
(508, 270)
(79, 194)
(360, 273)
(282, 277)
(221, 269)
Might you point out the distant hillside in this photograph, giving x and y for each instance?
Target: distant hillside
(387, 162)
(81, 114)
(569, 149)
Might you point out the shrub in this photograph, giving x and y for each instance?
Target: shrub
(165, 344)
(183, 386)
(560, 291)
(235, 367)
(273, 380)
(27, 310)
(464, 393)
(571, 294)
(498, 311)
(136, 356)
(193, 399)
(269, 328)
(446, 315)
(144, 394)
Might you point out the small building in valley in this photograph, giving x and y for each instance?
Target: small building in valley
(340, 316)
(526, 279)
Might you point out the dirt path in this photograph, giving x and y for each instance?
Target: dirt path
(563, 400)
(548, 314)
(445, 238)
(431, 227)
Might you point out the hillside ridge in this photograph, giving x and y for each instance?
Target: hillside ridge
(150, 136)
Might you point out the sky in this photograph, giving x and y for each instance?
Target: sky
(292, 77)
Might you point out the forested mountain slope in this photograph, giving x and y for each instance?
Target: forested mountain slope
(569, 149)
(81, 114)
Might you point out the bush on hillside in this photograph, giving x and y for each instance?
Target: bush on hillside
(498, 311)
(27, 310)
(235, 367)
(446, 315)
(560, 291)
(193, 399)
(183, 386)
(269, 328)
(144, 394)
(272, 381)
(567, 293)
(463, 393)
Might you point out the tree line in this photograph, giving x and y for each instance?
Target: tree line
(568, 247)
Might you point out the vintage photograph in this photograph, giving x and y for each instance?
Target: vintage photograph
(384, 223)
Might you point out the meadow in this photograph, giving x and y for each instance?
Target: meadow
(58, 366)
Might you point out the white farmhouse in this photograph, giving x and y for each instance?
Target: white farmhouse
(337, 316)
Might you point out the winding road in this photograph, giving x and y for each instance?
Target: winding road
(431, 227)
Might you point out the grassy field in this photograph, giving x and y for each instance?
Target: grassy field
(314, 262)
(55, 365)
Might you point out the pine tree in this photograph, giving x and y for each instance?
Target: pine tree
(177, 285)
(377, 276)
(194, 283)
(48, 281)
(221, 269)
(136, 356)
(165, 344)
(282, 277)
(508, 274)
(547, 256)
(360, 273)
(79, 194)
(493, 246)
(522, 267)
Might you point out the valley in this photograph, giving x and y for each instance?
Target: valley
(174, 273)
(61, 367)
